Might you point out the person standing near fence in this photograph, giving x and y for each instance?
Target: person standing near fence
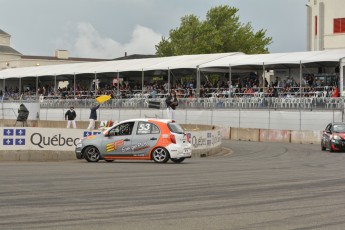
(93, 117)
(172, 103)
(70, 116)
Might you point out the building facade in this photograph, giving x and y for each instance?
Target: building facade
(325, 24)
(11, 58)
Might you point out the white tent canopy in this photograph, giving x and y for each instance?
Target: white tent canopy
(163, 63)
(203, 62)
(277, 59)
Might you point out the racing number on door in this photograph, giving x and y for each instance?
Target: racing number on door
(144, 128)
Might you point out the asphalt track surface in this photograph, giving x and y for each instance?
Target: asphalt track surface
(257, 186)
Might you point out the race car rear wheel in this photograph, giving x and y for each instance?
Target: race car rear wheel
(177, 160)
(160, 155)
(91, 154)
(330, 147)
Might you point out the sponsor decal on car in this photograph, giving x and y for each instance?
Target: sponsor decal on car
(114, 145)
(136, 147)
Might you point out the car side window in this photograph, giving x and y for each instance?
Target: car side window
(123, 129)
(147, 128)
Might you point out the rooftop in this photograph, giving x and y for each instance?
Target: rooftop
(3, 32)
(55, 58)
(8, 50)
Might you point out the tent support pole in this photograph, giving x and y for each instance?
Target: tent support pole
(142, 81)
(95, 82)
(230, 81)
(263, 79)
(3, 91)
(2, 99)
(197, 81)
(118, 83)
(74, 84)
(341, 76)
(168, 80)
(20, 87)
(55, 86)
(300, 79)
(36, 86)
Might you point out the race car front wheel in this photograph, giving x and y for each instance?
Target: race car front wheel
(91, 154)
(160, 155)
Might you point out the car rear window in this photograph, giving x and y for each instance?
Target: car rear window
(175, 128)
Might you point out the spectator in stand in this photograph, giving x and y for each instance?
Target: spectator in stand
(179, 93)
(153, 94)
(70, 116)
(335, 91)
(202, 92)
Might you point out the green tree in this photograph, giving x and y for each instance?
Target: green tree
(221, 31)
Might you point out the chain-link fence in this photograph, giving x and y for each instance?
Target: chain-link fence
(267, 113)
(308, 103)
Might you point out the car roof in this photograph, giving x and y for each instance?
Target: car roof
(166, 121)
(148, 120)
(338, 123)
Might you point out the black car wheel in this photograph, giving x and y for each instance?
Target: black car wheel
(330, 147)
(160, 155)
(92, 154)
(322, 147)
(177, 160)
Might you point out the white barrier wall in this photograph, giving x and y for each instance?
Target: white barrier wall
(27, 138)
(205, 139)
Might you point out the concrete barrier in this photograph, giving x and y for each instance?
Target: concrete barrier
(225, 133)
(244, 134)
(269, 135)
(306, 137)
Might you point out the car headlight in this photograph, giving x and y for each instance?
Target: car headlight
(80, 143)
(336, 137)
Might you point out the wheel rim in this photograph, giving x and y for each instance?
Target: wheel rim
(93, 154)
(159, 155)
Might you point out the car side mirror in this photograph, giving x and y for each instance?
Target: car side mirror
(106, 134)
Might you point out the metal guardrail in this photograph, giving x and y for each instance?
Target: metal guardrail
(308, 103)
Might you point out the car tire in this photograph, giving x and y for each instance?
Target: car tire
(91, 154)
(323, 148)
(160, 155)
(330, 148)
(177, 160)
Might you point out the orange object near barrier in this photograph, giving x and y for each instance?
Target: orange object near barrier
(103, 98)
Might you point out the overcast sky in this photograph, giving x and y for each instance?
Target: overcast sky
(109, 28)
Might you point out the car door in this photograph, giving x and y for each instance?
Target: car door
(146, 137)
(326, 136)
(118, 140)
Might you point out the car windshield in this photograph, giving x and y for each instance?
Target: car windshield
(339, 128)
(175, 128)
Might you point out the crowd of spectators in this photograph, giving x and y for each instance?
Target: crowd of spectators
(240, 87)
